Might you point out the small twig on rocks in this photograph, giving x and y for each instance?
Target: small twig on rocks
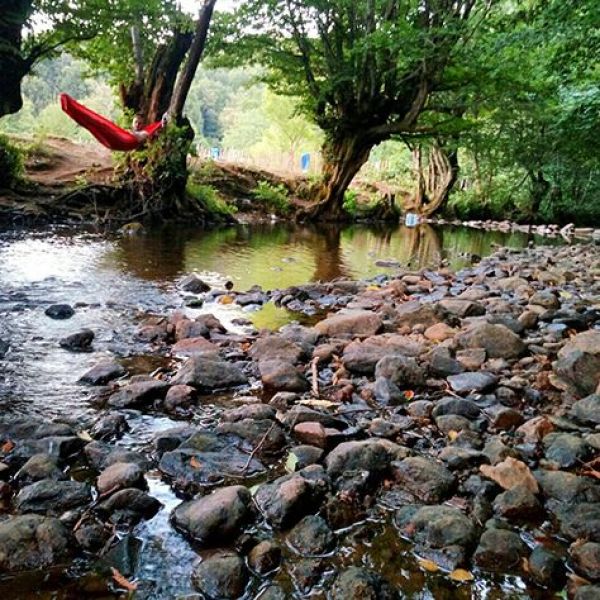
(258, 447)
(315, 376)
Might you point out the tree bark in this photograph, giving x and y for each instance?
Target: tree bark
(189, 71)
(13, 66)
(342, 160)
(435, 180)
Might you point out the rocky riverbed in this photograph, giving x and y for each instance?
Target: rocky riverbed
(431, 430)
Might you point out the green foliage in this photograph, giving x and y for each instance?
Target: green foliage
(208, 196)
(11, 163)
(275, 197)
(351, 202)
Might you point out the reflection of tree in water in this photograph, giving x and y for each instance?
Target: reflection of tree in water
(326, 245)
(159, 255)
(423, 245)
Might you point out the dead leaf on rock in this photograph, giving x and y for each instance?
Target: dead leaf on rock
(428, 565)
(195, 463)
(7, 447)
(122, 581)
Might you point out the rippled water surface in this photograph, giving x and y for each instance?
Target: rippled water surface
(113, 280)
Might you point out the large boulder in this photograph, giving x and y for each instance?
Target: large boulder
(497, 340)
(500, 550)
(427, 480)
(52, 497)
(578, 362)
(282, 376)
(215, 517)
(289, 498)
(31, 542)
(139, 394)
(207, 374)
(223, 576)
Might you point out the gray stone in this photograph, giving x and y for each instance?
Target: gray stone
(472, 382)
(221, 576)
(427, 480)
(206, 374)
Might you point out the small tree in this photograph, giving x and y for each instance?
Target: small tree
(366, 71)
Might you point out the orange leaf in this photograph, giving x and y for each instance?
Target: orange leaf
(409, 394)
(195, 463)
(123, 581)
(225, 300)
(7, 447)
(461, 575)
(428, 565)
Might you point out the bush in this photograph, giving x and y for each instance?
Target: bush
(274, 197)
(209, 197)
(351, 202)
(11, 163)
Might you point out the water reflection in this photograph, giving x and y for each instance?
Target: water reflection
(278, 255)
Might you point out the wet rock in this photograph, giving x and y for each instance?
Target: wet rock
(52, 497)
(586, 559)
(207, 458)
(511, 473)
(581, 521)
(461, 458)
(302, 414)
(222, 575)
(374, 456)
(196, 346)
(472, 382)
(311, 536)
(207, 375)
(547, 568)
(272, 592)
(587, 410)
(289, 498)
(4, 347)
(567, 487)
(578, 362)
(302, 456)
(129, 505)
(497, 340)
(361, 356)
(139, 394)
(103, 373)
(78, 342)
(274, 347)
(587, 592)
(39, 466)
(306, 574)
(565, 449)
(215, 517)
(442, 533)
(284, 400)
(31, 542)
(401, 370)
(462, 308)
(518, 503)
(503, 417)
(186, 329)
(59, 311)
(387, 393)
(265, 557)
(91, 534)
(312, 433)
(265, 432)
(449, 405)
(448, 423)
(500, 550)
(120, 475)
(420, 408)
(359, 583)
(425, 479)
(193, 284)
(109, 427)
(496, 451)
(280, 375)
(256, 411)
(180, 397)
(442, 364)
(359, 322)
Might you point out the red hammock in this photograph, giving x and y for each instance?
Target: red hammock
(106, 132)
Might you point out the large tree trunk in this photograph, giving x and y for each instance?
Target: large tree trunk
(342, 160)
(434, 180)
(13, 66)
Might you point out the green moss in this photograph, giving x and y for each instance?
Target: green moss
(11, 163)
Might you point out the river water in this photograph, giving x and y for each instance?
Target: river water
(113, 280)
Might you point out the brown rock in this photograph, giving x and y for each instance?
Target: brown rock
(359, 322)
(511, 473)
(440, 332)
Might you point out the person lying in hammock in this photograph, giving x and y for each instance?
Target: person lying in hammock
(109, 134)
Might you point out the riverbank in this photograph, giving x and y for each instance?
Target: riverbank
(424, 429)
